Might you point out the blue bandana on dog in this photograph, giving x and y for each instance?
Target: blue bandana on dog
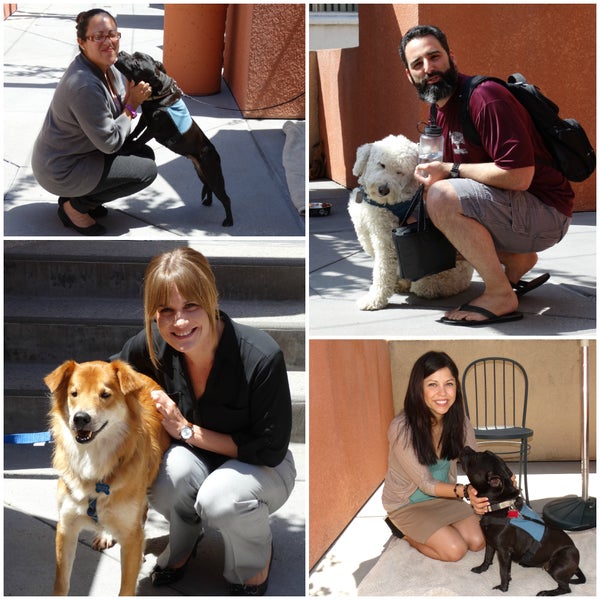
(180, 115)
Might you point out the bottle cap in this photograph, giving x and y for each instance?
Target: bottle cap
(433, 130)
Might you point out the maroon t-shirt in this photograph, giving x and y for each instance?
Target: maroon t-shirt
(509, 140)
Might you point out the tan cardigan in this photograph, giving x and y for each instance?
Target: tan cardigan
(405, 474)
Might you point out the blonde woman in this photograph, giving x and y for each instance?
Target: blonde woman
(227, 407)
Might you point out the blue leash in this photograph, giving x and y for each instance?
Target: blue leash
(42, 437)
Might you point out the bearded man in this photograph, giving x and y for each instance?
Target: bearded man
(499, 203)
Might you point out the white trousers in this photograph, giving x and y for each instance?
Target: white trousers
(236, 498)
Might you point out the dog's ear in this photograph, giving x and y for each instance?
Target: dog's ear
(160, 67)
(60, 375)
(362, 157)
(128, 378)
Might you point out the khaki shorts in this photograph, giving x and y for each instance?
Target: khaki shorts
(518, 221)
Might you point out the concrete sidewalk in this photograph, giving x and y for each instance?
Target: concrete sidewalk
(340, 273)
(30, 516)
(39, 44)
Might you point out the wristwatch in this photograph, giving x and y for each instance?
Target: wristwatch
(186, 433)
(454, 171)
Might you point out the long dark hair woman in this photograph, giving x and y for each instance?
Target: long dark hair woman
(421, 494)
(82, 153)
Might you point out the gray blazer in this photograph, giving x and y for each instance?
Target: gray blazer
(82, 125)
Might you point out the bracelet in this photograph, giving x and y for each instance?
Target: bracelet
(466, 492)
(455, 492)
(131, 110)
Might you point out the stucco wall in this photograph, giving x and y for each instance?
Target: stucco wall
(364, 93)
(265, 57)
(349, 413)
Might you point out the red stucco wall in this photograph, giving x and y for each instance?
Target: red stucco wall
(364, 93)
(264, 63)
(351, 407)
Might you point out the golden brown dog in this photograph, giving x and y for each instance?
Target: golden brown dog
(109, 443)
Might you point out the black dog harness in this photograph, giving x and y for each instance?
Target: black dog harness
(398, 210)
(521, 516)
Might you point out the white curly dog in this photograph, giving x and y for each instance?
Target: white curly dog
(385, 171)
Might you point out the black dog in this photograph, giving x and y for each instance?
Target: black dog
(546, 546)
(166, 118)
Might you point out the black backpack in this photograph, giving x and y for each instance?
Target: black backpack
(565, 139)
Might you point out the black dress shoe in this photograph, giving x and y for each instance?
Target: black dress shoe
(95, 229)
(167, 575)
(99, 212)
(242, 589)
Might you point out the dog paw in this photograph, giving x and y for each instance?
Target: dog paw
(501, 587)
(402, 286)
(369, 302)
(103, 542)
(480, 569)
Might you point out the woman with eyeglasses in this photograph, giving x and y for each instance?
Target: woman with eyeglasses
(82, 153)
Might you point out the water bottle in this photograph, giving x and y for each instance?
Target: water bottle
(431, 144)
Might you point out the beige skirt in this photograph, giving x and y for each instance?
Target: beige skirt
(421, 520)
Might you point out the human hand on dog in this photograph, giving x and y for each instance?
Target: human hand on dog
(479, 504)
(172, 420)
(137, 93)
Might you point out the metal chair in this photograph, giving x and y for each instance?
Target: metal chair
(495, 392)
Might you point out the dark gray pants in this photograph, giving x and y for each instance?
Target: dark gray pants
(126, 172)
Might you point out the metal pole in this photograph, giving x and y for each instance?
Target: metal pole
(585, 463)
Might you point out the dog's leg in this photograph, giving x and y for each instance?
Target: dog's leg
(487, 560)
(67, 532)
(385, 274)
(208, 168)
(132, 548)
(505, 562)
(562, 565)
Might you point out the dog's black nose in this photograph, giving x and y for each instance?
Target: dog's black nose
(383, 190)
(81, 419)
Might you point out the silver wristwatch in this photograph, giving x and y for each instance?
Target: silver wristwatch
(454, 171)
(186, 433)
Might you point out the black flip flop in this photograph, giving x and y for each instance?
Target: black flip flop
(524, 287)
(491, 317)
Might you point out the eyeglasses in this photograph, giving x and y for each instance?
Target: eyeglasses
(100, 36)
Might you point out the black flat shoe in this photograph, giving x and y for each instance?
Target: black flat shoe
(242, 589)
(99, 212)
(95, 229)
(167, 575)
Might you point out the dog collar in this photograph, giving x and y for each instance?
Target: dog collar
(398, 210)
(173, 89)
(500, 505)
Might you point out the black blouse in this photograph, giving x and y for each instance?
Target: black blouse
(247, 393)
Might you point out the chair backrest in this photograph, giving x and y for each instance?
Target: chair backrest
(495, 393)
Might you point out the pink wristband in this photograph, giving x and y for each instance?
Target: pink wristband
(131, 110)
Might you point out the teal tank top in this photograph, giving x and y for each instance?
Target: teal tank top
(440, 471)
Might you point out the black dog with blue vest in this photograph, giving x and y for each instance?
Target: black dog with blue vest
(514, 531)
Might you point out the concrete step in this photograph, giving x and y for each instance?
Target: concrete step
(26, 399)
(53, 329)
(104, 270)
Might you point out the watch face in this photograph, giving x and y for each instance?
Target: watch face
(186, 433)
